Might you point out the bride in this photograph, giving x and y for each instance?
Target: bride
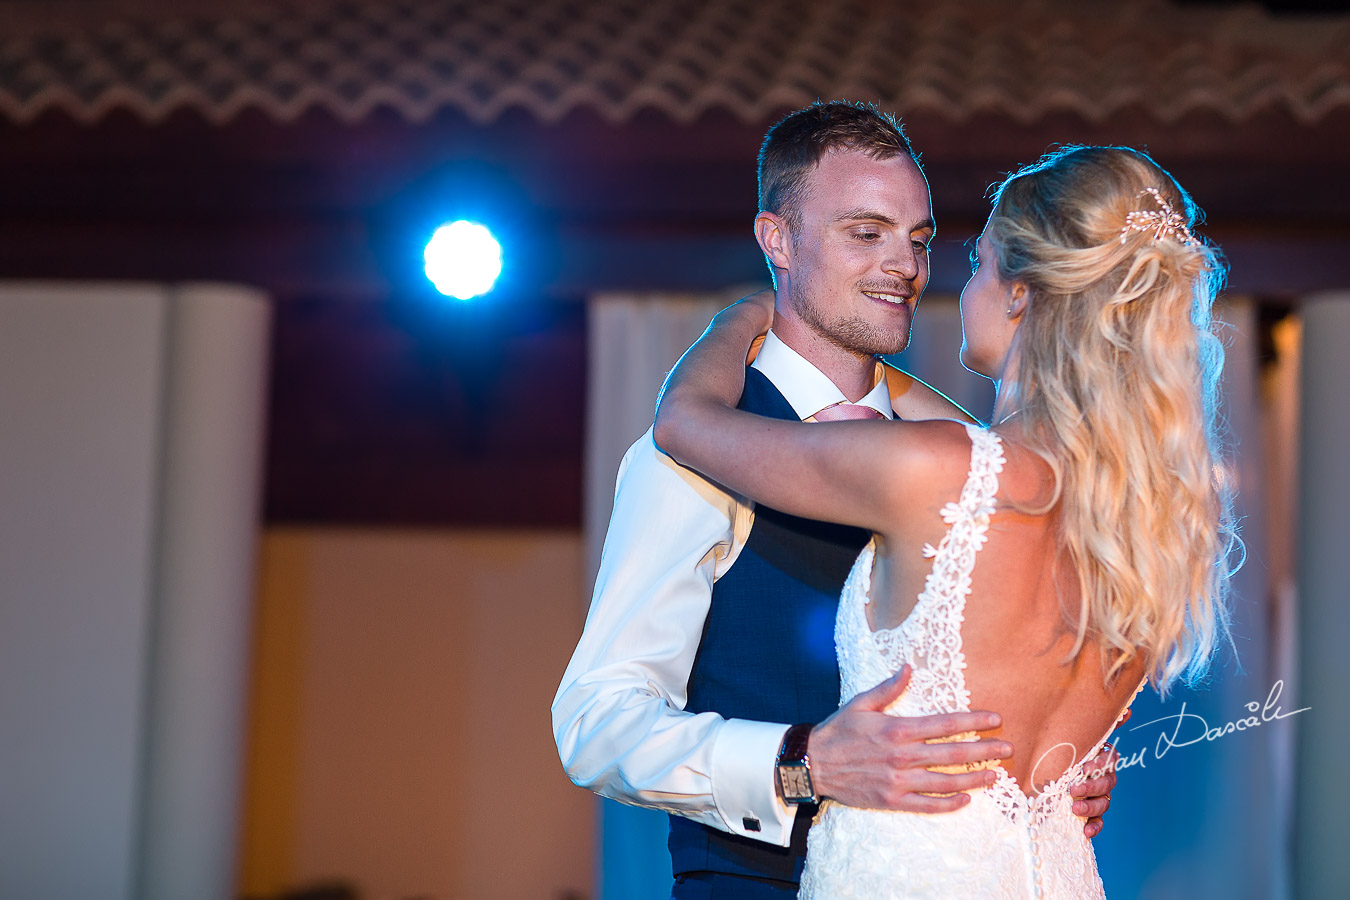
(1046, 567)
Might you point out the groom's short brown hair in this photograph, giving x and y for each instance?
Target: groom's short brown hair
(794, 147)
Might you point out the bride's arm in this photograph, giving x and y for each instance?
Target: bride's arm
(840, 471)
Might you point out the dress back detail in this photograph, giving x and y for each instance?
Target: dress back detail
(1003, 844)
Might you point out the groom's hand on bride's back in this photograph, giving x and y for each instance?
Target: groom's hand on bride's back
(860, 756)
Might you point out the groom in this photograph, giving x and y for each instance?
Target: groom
(705, 683)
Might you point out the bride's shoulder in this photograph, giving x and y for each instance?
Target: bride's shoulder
(938, 456)
(940, 439)
(934, 455)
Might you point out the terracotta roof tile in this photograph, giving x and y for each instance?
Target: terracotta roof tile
(1021, 59)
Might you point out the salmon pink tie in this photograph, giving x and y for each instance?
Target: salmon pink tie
(840, 412)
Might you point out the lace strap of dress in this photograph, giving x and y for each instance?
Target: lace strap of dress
(941, 607)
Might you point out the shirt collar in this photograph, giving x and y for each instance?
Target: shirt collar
(807, 389)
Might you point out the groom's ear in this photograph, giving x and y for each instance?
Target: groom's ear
(772, 233)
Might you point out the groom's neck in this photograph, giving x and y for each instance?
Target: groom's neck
(852, 371)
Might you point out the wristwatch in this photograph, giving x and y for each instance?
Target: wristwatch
(794, 767)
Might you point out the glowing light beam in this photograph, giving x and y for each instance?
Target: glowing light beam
(463, 260)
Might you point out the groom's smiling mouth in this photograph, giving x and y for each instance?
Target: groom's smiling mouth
(893, 297)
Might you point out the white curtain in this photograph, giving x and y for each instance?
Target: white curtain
(1321, 864)
(129, 487)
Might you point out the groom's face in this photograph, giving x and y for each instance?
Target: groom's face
(860, 253)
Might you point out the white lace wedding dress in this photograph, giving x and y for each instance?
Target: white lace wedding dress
(1000, 845)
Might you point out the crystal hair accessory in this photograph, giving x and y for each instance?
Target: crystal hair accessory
(1163, 222)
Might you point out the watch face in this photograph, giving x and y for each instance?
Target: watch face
(796, 781)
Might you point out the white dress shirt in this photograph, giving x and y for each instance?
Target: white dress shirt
(618, 717)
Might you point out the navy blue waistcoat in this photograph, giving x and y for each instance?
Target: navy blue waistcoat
(767, 652)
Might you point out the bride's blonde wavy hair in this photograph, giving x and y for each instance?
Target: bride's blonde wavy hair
(1114, 371)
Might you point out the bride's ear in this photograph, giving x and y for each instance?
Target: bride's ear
(772, 233)
(1018, 297)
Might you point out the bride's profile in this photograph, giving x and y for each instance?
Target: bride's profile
(1047, 566)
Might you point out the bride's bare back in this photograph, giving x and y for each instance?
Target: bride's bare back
(1016, 638)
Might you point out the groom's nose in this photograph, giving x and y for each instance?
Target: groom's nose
(903, 262)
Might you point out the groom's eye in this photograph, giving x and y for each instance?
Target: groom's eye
(867, 236)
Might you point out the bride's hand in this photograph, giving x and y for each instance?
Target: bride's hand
(711, 373)
(1092, 798)
(757, 307)
(751, 315)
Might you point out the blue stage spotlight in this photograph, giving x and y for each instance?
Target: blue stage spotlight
(463, 260)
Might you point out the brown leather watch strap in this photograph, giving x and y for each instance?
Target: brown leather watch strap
(793, 768)
(793, 748)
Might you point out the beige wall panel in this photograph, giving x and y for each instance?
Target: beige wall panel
(401, 732)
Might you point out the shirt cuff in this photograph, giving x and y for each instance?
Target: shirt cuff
(743, 788)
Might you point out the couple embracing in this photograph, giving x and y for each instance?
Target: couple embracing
(903, 632)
